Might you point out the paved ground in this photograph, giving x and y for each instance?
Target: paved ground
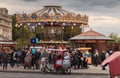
(92, 70)
(31, 75)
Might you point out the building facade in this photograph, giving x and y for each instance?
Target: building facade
(5, 24)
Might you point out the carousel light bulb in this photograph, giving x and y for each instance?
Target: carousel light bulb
(33, 27)
(28, 23)
(39, 23)
(62, 27)
(16, 25)
(25, 26)
(74, 24)
(63, 24)
(72, 27)
(20, 24)
(51, 23)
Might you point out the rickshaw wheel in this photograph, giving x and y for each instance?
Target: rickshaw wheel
(44, 70)
(68, 71)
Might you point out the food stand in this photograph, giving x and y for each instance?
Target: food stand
(86, 53)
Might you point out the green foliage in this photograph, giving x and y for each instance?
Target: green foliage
(70, 32)
(21, 35)
(115, 37)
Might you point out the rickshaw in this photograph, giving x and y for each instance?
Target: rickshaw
(62, 63)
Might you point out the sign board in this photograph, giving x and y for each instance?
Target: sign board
(34, 40)
(33, 50)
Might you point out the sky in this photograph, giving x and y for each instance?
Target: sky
(104, 15)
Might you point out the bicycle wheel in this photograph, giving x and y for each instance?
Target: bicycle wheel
(68, 71)
(44, 70)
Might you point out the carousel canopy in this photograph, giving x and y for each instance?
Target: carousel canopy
(52, 15)
(91, 35)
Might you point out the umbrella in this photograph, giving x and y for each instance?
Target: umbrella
(111, 58)
(114, 62)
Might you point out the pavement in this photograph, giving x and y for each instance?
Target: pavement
(92, 70)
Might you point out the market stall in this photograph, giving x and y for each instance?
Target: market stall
(86, 53)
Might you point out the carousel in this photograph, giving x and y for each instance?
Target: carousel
(53, 23)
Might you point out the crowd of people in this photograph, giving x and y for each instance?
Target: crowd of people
(34, 60)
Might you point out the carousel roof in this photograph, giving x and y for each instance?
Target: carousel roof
(52, 10)
(91, 35)
(52, 14)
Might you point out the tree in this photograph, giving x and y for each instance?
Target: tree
(21, 35)
(115, 37)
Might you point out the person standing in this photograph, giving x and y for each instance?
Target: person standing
(96, 57)
(15, 58)
(4, 59)
(103, 57)
(80, 55)
(37, 59)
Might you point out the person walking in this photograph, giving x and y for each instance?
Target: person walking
(96, 57)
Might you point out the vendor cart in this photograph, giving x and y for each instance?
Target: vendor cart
(63, 62)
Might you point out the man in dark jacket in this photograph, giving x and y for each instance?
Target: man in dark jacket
(37, 59)
(103, 57)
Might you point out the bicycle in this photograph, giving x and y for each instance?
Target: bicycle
(45, 68)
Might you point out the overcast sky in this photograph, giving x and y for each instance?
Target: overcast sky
(104, 15)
